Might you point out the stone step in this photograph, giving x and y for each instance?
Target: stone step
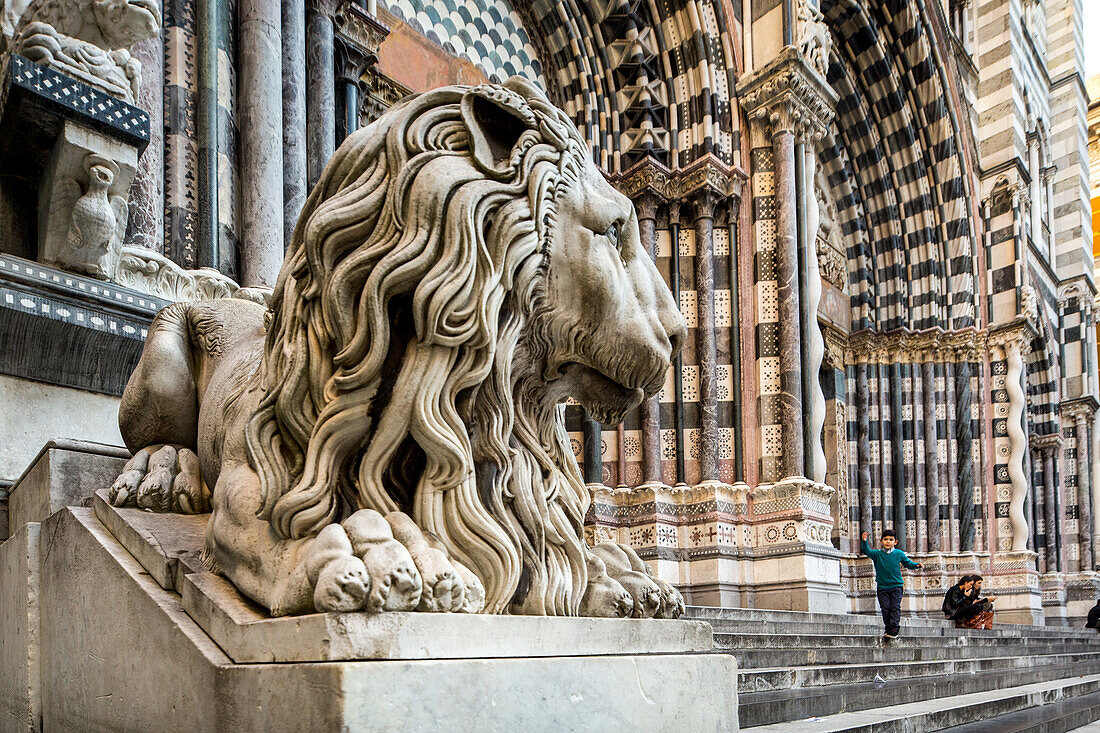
(782, 678)
(822, 641)
(721, 618)
(783, 706)
(887, 653)
(1074, 714)
(907, 629)
(928, 714)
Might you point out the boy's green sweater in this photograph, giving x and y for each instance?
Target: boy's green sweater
(887, 565)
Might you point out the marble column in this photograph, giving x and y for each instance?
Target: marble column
(320, 93)
(1084, 493)
(351, 62)
(145, 226)
(735, 344)
(863, 445)
(1050, 516)
(1038, 512)
(294, 114)
(592, 447)
(646, 206)
(1094, 475)
(1017, 443)
(813, 344)
(931, 454)
(207, 239)
(786, 255)
(678, 363)
(620, 441)
(261, 111)
(964, 438)
(705, 348)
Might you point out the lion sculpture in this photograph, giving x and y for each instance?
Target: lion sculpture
(390, 435)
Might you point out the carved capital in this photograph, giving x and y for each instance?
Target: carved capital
(646, 205)
(355, 25)
(787, 95)
(1014, 340)
(703, 203)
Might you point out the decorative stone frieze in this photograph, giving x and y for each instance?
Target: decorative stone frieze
(901, 346)
(356, 25)
(707, 174)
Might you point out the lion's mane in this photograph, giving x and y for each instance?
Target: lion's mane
(401, 369)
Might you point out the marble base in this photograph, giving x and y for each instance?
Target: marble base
(20, 695)
(117, 651)
(64, 473)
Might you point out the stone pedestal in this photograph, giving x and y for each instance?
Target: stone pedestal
(134, 635)
(65, 473)
(1053, 589)
(20, 695)
(1082, 590)
(1015, 582)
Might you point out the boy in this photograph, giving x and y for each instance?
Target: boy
(888, 562)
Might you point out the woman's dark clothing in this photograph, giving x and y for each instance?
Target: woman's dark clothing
(1094, 617)
(960, 606)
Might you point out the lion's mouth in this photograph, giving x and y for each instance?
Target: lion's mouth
(606, 399)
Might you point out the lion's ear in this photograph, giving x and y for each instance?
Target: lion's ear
(496, 119)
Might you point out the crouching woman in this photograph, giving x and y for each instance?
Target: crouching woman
(963, 605)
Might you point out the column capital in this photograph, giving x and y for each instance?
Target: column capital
(703, 203)
(356, 26)
(787, 95)
(1047, 443)
(646, 204)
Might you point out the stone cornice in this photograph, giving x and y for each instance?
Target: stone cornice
(706, 176)
(902, 346)
(1017, 335)
(1083, 408)
(1048, 441)
(355, 25)
(788, 96)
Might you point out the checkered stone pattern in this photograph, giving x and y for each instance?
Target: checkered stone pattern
(593, 73)
(489, 33)
(181, 148)
(1073, 340)
(893, 118)
(1003, 226)
(81, 101)
(886, 449)
(1043, 371)
(766, 298)
(1002, 446)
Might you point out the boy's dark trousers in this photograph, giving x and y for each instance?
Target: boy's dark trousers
(889, 600)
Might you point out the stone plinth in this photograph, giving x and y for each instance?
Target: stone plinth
(1015, 582)
(65, 473)
(1053, 588)
(20, 698)
(119, 647)
(1082, 590)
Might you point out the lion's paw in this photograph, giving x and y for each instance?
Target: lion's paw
(624, 566)
(672, 601)
(162, 478)
(604, 597)
(444, 589)
(473, 600)
(342, 585)
(395, 582)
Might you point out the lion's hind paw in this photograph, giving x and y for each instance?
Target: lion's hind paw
(162, 478)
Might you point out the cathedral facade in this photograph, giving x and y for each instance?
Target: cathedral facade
(875, 217)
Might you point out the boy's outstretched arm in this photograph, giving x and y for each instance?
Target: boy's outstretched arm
(864, 548)
(909, 563)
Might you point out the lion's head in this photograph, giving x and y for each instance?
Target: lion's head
(459, 270)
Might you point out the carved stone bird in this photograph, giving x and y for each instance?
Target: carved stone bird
(94, 238)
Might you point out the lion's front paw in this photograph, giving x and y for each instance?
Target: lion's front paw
(162, 478)
(672, 601)
(624, 566)
(342, 585)
(444, 587)
(604, 597)
(395, 581)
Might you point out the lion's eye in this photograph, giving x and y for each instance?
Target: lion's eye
(612, 235)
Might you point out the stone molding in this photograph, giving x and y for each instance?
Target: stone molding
(708, 175)
(787, 95)
(1082, 409)
(356, 26)
(875, 347)
(148, 272)
(1048, 441)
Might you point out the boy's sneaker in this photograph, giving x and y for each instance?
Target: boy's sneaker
(890, 636)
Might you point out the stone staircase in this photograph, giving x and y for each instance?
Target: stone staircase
(816, 672)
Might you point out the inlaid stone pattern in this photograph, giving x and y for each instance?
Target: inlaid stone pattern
(77, 100)
(487, 32)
